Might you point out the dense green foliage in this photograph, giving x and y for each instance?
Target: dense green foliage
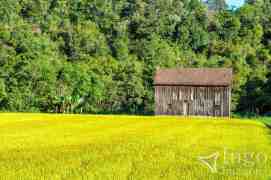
(98, 56)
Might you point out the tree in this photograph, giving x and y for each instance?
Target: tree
(90, 56)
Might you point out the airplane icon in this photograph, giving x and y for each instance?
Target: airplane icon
(210, 161)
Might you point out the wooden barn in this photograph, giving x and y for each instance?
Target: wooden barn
(193, 91)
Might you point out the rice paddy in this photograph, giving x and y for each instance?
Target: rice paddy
(43, 146)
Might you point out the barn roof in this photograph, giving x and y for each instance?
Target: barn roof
(194, 76)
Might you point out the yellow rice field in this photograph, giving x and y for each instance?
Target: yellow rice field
(43, 146)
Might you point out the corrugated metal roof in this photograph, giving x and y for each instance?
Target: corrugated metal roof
(194, 76)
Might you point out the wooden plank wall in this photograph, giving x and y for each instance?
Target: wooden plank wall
(192, 100)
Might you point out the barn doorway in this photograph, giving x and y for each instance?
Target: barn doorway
(170, 109)
(185, 108)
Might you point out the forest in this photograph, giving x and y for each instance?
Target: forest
(99, 56)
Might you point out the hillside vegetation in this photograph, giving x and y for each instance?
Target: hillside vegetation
(40, 146)
(96, 56)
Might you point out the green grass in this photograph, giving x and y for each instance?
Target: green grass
(41, 146)
(265, 120)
